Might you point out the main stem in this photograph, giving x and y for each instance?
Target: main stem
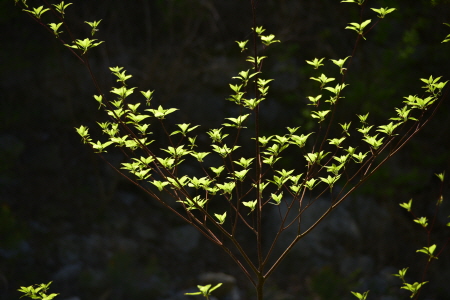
(260, 278)
(260, 287)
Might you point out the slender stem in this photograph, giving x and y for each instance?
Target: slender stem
(260, 279)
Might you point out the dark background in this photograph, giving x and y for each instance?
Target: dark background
(66, 216)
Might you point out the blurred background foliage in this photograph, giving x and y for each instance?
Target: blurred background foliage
(65, 216)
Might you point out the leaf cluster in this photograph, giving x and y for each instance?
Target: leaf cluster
(37, 291)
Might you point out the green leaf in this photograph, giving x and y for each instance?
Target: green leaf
(340, 64)
(245, 163)
(148, 95)
(242, 45)
(278, 181)
(263, 82)
(161, 113)
(116, 69)
(423, 221)
(363, 118)
(417, 102)
(93, 26)
(359, 28)
(221, 218)
(192, 140)
(429, 251)
(236, 122)
(239, 175)
(194, 203)
(84, 45)
(336, 141)
(295, 188)
(359, 2)
(117, 113)
(295, 178)
(373, 142)
(124, 142)
(433, 85)
(168, 162)
(218, 170)
(177, 152)
(360, 296)
(268, 39)
(413, 288)
(281, 140)
(49, 297)
(252, 103)
(334, 169)
(227, 187)
(224, 151)
(37, 11)
(401, 274)
(24, 2)
(262, 186)
(198, 183)
(251, 205)
(236, 88)
(315, 157)
(300, 141)
(145, 160)
(205, 290)
(311, 183)
(382, 12)
(259, 59)
(276, 198)
(245, 76)
(285, 174)
(314, 100)
(142, 174)
(320, 115)
(403, 115)
(122, 92)
(336, 90)
(83, 131)
(259, 30)
(99, 147)
(440, 176)
(133, 107)
(350, 150)
(55, 28)
(275, 149)
(322, 79)
(99, 99)
(271, 160)
(61, 7)
(160, 184)
(388, 129)
(292, 130)
(315, 62)
(330, 180)
(199, 155)
(341, 159)
(216, 135)
(137, 143)
(121, 76)
(264, 140)
(178, 183)
(37, 291)
(135, 119)
(359, 158)
(345, 128)
(365, 130)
